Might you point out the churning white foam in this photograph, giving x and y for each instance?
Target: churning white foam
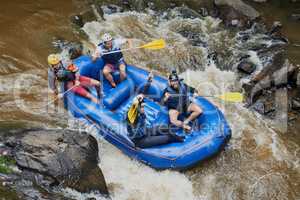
(68, 192)
(129, 179)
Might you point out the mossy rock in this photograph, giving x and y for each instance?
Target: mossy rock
(5, 164)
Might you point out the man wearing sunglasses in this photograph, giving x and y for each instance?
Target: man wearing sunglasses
(177, 100)
(113, 58)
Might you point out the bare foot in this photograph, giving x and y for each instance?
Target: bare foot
(187, 128)
(95, 100)
(113, 85)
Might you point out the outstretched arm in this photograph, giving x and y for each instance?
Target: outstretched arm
(166, 97)
(96, 55)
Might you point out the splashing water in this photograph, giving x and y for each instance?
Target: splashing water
(259, 163)
(251, 163)
(128, 179)
(256, 156)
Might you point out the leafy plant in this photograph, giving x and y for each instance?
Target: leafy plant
(5, 164)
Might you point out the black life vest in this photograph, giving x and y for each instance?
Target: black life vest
(178, 98)
(112, 58)
(63, 74)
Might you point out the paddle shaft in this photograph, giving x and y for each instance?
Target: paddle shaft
(117, 51)
(156, 44)
(179, 95)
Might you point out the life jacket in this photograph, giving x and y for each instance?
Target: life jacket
(66, 74)
(178, 98)
(137, 130)
(112, 58)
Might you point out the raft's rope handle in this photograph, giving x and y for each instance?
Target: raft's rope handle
(59, 96)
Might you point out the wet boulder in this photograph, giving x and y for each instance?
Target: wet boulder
(273, 61)
(260, 1)
(297, 77)
(276, 35)
(80, 19)
(236, 12)
(93, 13)
(60, 157)
(264, 107)
(276, 74)
(111, 8)
(274, 104)
(77, 20)
(276, 28)
(159, 5)
(246, 67)
(295, 103)
(184, 12)
(295, 17)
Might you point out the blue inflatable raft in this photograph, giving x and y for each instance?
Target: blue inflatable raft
(109, 118)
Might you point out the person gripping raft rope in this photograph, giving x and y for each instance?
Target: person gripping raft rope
(67, 73)
(141, 135)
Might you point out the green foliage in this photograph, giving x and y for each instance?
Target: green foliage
(5, 164)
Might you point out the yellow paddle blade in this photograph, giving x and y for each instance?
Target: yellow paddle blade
(132, 113)
(232, 97)
(156, 44)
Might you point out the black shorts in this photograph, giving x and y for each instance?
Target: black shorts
(182, 109)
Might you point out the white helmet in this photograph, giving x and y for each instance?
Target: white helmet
(106, 37)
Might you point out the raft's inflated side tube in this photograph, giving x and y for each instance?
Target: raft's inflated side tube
(119, 94)
(139, 76)
(88, 68)
(198, 145)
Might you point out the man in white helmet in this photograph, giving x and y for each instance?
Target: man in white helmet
(114, 61)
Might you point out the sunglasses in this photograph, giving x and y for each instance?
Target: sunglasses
(173, 81)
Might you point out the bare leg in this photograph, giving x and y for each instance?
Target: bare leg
(123, 74)
(95, 82)
(97, 86)
(107, 73)
(196, 111)
(92, 98)
(174, 120)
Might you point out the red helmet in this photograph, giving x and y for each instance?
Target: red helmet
(72, 68)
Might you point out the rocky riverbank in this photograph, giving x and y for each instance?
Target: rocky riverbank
(42, 162)
(39, 162)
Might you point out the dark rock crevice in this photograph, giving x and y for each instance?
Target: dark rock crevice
(57, 158)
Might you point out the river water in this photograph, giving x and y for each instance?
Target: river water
(260, 162)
